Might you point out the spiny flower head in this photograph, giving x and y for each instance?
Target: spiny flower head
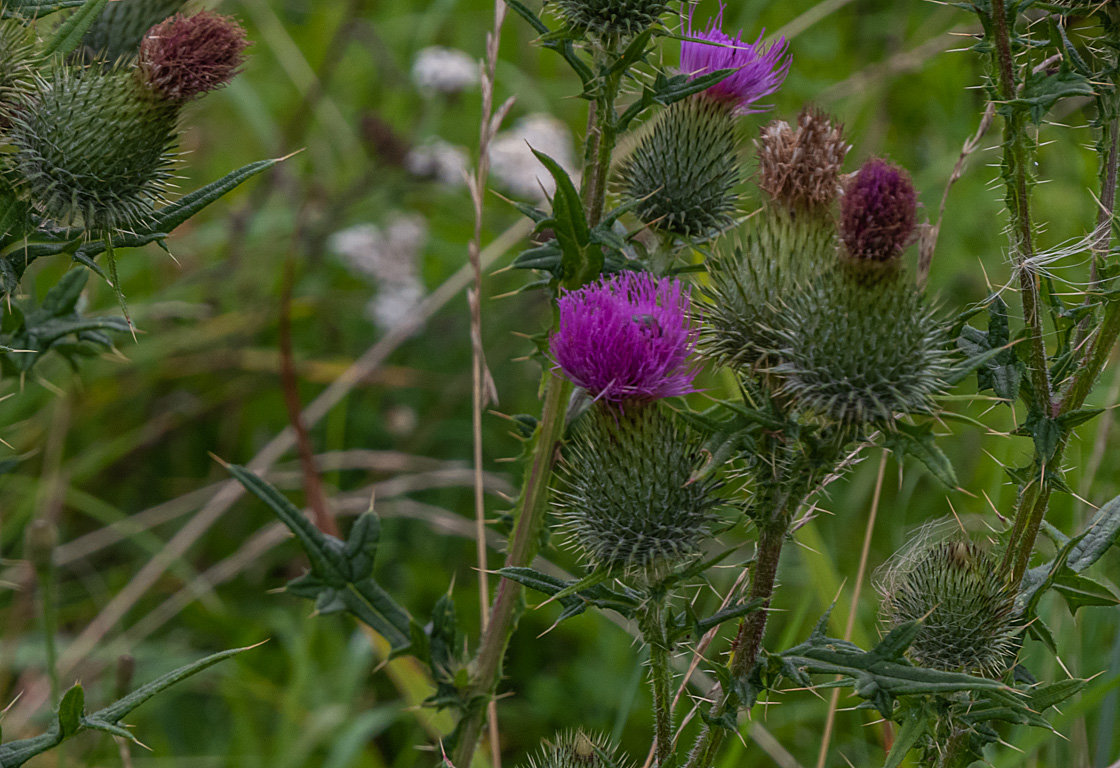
(611, 20)
(759, 69)
(186, 56)
(800, 168)
(576, 749)
(878, 211)
(627, 337)
(967, 608)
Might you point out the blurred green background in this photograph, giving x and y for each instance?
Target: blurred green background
(119, 455)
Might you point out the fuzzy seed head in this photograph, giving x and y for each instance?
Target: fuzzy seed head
(577, 749)
(967, 608)
(628, 498)
(116, 33)
(800, 168)
(93, 149)
(611, 20)
(878, 212)
(760, 70)
(683, 174)
(186, 56)
(627, 337)
(859, 348)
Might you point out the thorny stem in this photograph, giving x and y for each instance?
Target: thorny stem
(661, 677)
(487, 664)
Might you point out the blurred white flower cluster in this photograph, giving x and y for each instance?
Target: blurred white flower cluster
(389, 257)
(513, 165)
(444, 70)
(440, 160)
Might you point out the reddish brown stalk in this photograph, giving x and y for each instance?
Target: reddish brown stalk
(312, 486)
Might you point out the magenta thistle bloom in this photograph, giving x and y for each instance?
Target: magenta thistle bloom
(759, 69)
(627, 337)
(877, 212)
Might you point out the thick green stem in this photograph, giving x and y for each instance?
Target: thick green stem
(652, 624)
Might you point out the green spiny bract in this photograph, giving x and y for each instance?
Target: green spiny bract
(682, 176)
(577, 749)
(858, 344)
(966, 606)
(117, 31)
(94, 148)
(18, 58)
(611, 20)
(743, 300)
(629, 499)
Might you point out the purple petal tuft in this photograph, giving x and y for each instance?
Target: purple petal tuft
(760, 70)
(627, 337)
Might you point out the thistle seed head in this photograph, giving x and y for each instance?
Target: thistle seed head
(611, 20)
(859, 348)
(116, 33)
(577, 749)
(682, 175)
(878, 212)
(92, 148)
(627, 337)
(186, 56)
(760, 69)
(628, 498)
(966, 606)
(800, 168)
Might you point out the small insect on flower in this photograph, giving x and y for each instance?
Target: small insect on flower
(627, 337)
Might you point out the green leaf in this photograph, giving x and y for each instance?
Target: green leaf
(1046, 434)
(339, 579)
(69, 33)
(598, 595)
(1042, 90)
(581, 262)
(1068, 421)
(1102, 532)
(35, 8)
(918, 440)
(915, 723)
(1080, 590)
(70, 711)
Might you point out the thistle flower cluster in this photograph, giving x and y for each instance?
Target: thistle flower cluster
(93, 147)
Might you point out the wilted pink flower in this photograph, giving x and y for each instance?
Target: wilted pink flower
(187, 56)
(759, 69)
(627, 337)
(877, 212)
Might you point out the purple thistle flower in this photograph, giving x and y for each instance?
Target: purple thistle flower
(627, 337)
(877, 212)
(759, 69)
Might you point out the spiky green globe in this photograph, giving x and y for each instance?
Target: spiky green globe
(116, 32)
(682, 176)
(577, 749)
(858, 344)
(629, 499)
(611, 19)
(93, 148)
(965, 605)
(743, 301)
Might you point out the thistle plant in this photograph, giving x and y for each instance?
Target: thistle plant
(820, 343)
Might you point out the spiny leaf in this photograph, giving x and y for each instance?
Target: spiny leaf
(70, 32)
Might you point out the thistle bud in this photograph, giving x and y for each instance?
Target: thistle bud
(186, 56)
(627, 337)
(611, 20)
(878, 212)
(93, 148)
(17, 65)
(682, 175)
(628, 498)
(800, 168)
(116, 33)
(577, 749)
(965, 605)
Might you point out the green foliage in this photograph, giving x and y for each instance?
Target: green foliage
(116, 32)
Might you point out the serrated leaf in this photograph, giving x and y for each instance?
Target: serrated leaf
(36, 8)
(1068, 421)
(70, 711)
(1046, 434)
(1042, 90)
(915, 723)
(1102, 532)
(919, 441)
(69, 34)
(1080, 591)
(63, 296)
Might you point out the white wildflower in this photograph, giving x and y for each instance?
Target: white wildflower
(513, 165)
(444, 70)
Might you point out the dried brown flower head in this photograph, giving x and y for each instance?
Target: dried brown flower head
(186, 56)
(800, 168)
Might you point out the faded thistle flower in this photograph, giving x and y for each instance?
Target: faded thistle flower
(858, 344)
(627, 337)
(966, 606)
(799, 168)
(611, 20)
(878, 211)
(682, 176)
(186, 56)
(760, 69)
(577, 749)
